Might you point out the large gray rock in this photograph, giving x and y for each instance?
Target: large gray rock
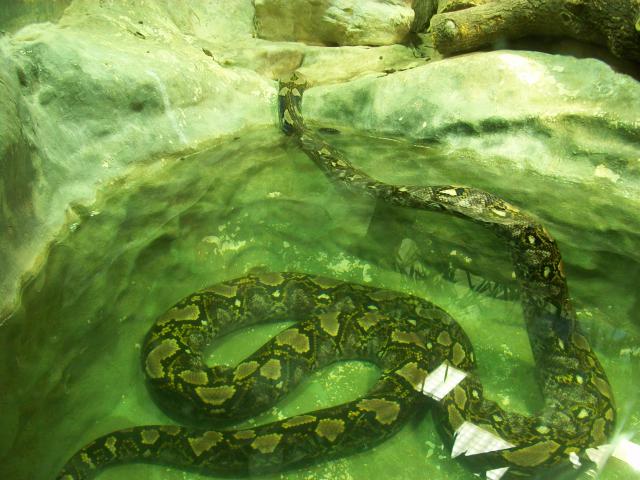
(112, 84)
(104, 89)
(574, 121)
(550, 114)
(335, 22)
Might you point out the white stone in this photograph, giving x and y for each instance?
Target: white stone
(335, 22)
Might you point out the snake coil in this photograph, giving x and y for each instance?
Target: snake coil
(406, 336)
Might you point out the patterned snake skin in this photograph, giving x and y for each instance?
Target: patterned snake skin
(406, 336)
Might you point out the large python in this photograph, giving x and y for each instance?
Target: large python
(406, 336)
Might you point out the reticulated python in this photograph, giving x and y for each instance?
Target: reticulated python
(407, 337)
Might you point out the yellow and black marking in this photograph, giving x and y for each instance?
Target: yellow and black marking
(407, 337)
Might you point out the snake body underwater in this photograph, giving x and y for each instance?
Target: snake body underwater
(406, 336)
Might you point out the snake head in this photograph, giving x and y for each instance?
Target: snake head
(289, 102)
(298, 80)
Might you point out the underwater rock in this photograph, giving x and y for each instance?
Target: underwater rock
(112, 84)
(335, 22)
(17, 175)
(570, 119)
(102, 90)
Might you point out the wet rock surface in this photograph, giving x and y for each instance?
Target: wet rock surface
(335, 22)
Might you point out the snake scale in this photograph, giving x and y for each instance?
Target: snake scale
(406, 336)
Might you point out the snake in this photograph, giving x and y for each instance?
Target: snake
(406, 336)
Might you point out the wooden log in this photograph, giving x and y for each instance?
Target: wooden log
(612, 23)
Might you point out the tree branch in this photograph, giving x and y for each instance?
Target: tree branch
(612, 23)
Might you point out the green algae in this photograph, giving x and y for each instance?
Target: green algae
(70, 354)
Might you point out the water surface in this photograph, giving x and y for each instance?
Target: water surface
(71, 353)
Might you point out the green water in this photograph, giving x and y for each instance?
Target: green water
(70, 355)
